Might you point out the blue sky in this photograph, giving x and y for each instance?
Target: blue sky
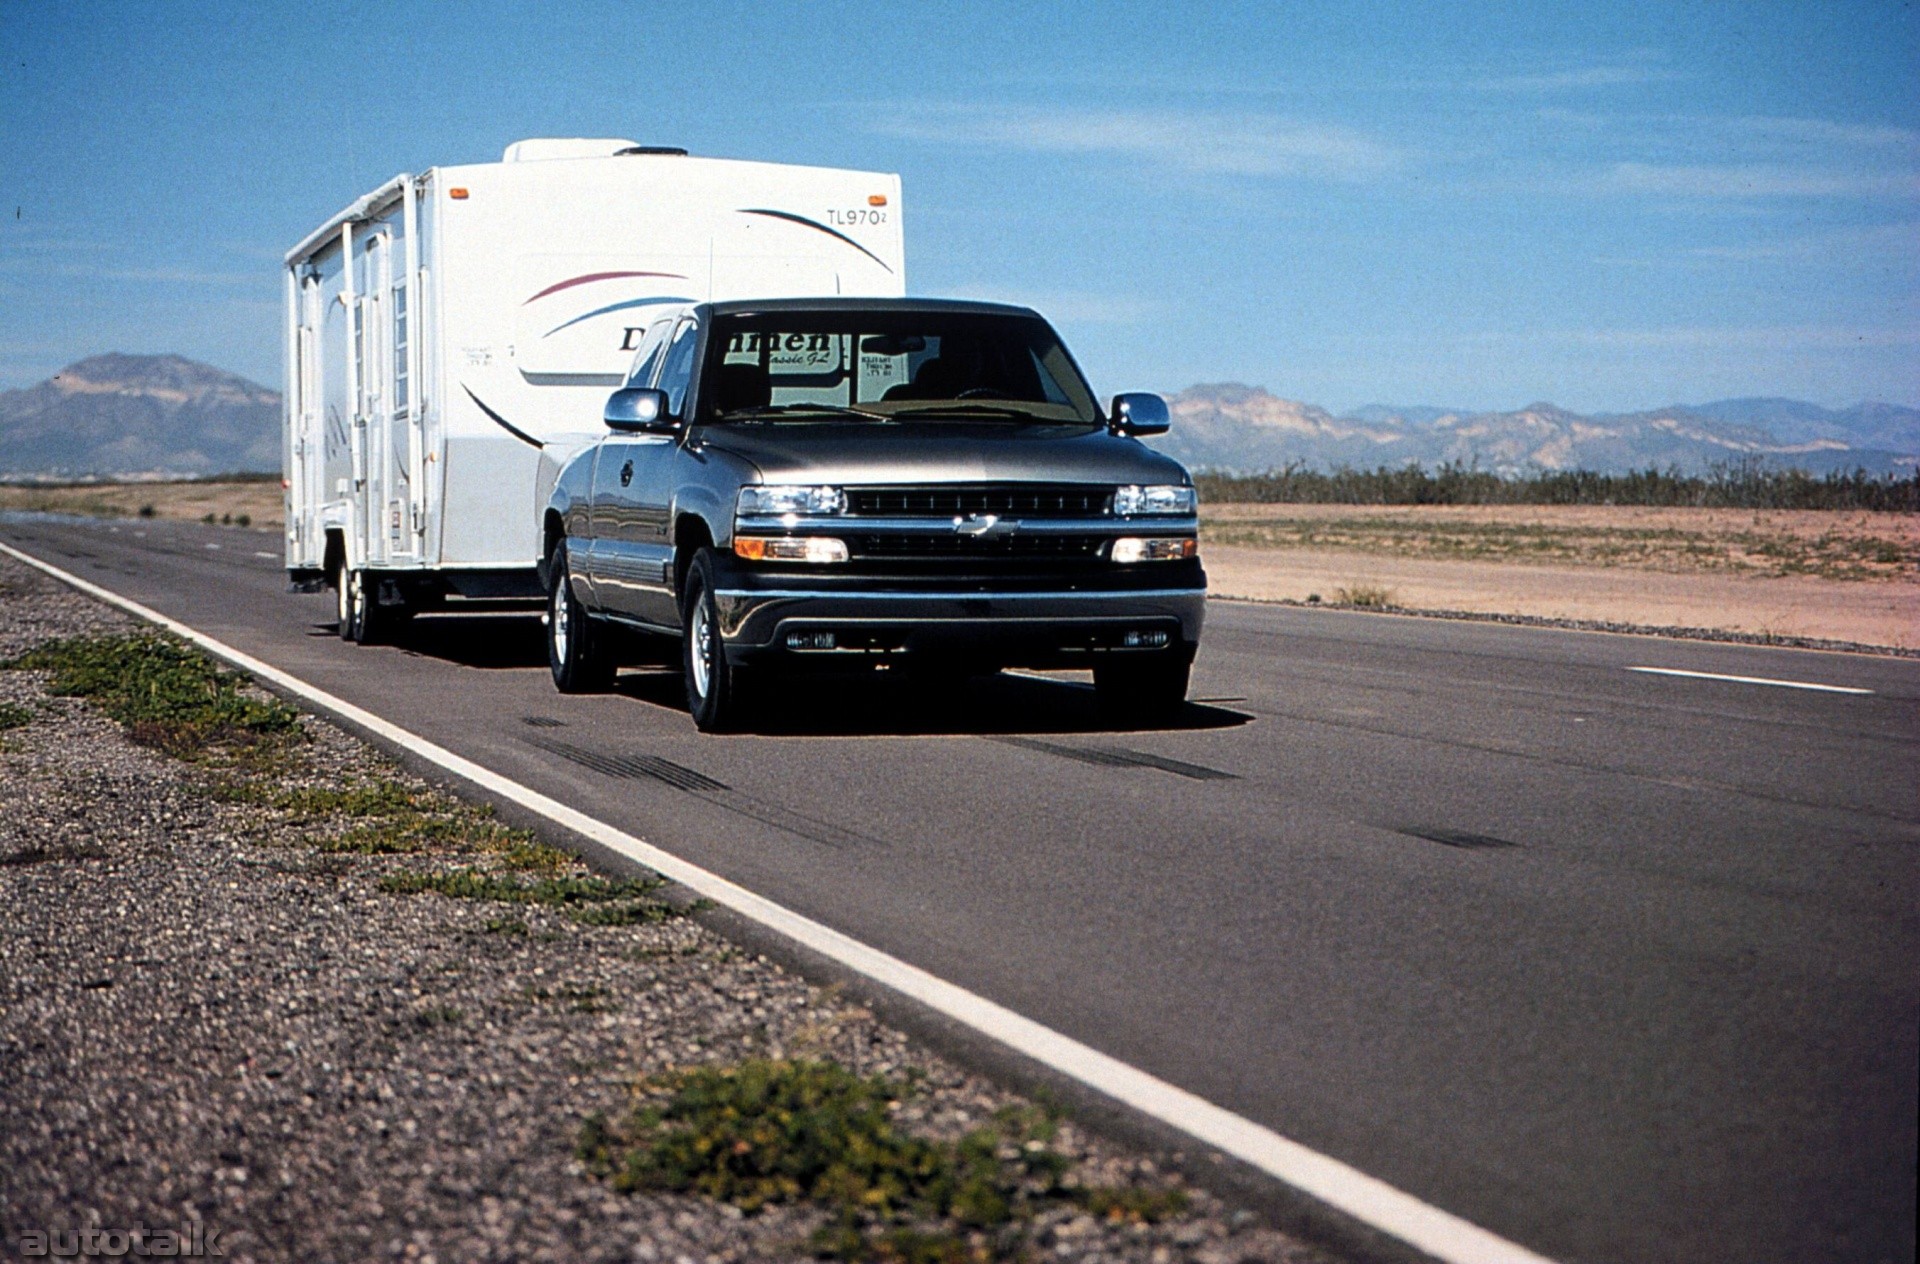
(1610, 206)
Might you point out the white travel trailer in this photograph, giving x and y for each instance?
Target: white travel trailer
(452, 336)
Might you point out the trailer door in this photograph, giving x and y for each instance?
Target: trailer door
(307, 475)
(374, 516)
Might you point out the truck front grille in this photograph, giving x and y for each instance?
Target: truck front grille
(889, 547)
(1022, 500)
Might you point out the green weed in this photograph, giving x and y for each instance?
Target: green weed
(366, 798)
(1367, 596)
(167, 695)
(776, 1131)
(563, 893)
(14, 716)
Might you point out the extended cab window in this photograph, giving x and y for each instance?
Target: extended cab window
(904, 365)
(677, 375)
(647, 358)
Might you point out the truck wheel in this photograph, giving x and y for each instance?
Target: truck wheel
(1141, 693)
(714, 693)
(576, 649)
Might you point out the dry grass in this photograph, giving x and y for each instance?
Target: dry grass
(259, 502)
(1825, 544)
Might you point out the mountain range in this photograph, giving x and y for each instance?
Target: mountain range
(119, 415)
(135, 414)
(1244, 429)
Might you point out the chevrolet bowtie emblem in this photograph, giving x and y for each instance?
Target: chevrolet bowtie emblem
(982, 525)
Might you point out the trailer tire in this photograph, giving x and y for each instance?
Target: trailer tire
(343, 590)
(715, 694)
(374, 624)
(577, 649)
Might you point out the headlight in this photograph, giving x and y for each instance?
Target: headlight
(1163, 498)
(777, 499)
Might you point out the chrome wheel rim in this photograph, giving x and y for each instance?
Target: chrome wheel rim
(356, 596)
(341, 597)
(700, 662)
(557, 620)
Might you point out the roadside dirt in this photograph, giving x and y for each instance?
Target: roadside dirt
(1824, 576)
(261, 502)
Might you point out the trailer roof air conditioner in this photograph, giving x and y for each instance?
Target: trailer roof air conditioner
(542, 148)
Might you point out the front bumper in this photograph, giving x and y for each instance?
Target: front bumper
(1060, 620)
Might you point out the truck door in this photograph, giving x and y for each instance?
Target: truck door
(628, 561)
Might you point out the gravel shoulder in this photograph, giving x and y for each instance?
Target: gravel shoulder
(212, 1014)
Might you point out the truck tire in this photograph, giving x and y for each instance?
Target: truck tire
(344, 584)
(577, 651)
(1134, 692)
(714, 693)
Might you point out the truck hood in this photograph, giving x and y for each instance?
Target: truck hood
(879, 453)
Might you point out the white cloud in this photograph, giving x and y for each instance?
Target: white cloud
(1760, 179)
(1772, 338)
(1078, 307)
(1603, 76)
(1872, 244)
(1239, 144)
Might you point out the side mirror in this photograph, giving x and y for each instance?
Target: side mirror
(1139, 413)
(636, 408)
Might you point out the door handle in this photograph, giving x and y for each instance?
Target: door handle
(626, 474)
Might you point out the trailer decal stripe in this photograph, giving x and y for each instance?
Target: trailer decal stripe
(615, 307)
(600, 276)
(500, 421)
(801, 219)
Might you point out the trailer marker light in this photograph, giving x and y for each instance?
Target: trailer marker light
(457, 194)
(877, 199)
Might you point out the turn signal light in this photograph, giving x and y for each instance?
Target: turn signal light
(877, 199)
(1129, 549)
(799, 548)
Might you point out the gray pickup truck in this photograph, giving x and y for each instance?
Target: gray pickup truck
(926, 486)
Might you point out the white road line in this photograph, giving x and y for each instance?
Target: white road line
(1371, 1201)
(259, 554)
(1748, 680)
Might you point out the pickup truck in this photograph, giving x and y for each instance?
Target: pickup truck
(922, 485)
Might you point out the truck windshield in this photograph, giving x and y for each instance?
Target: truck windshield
(891, 365)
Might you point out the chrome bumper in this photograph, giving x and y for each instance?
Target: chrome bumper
(1014, 627)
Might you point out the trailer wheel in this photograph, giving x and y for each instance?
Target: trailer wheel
(715, 695)
(373, 623)
(577, 651)
(343, 599)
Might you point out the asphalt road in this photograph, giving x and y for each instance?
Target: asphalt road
(1621, 966)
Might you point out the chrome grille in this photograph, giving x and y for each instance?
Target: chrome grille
(879, 547)
(1021, 500)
